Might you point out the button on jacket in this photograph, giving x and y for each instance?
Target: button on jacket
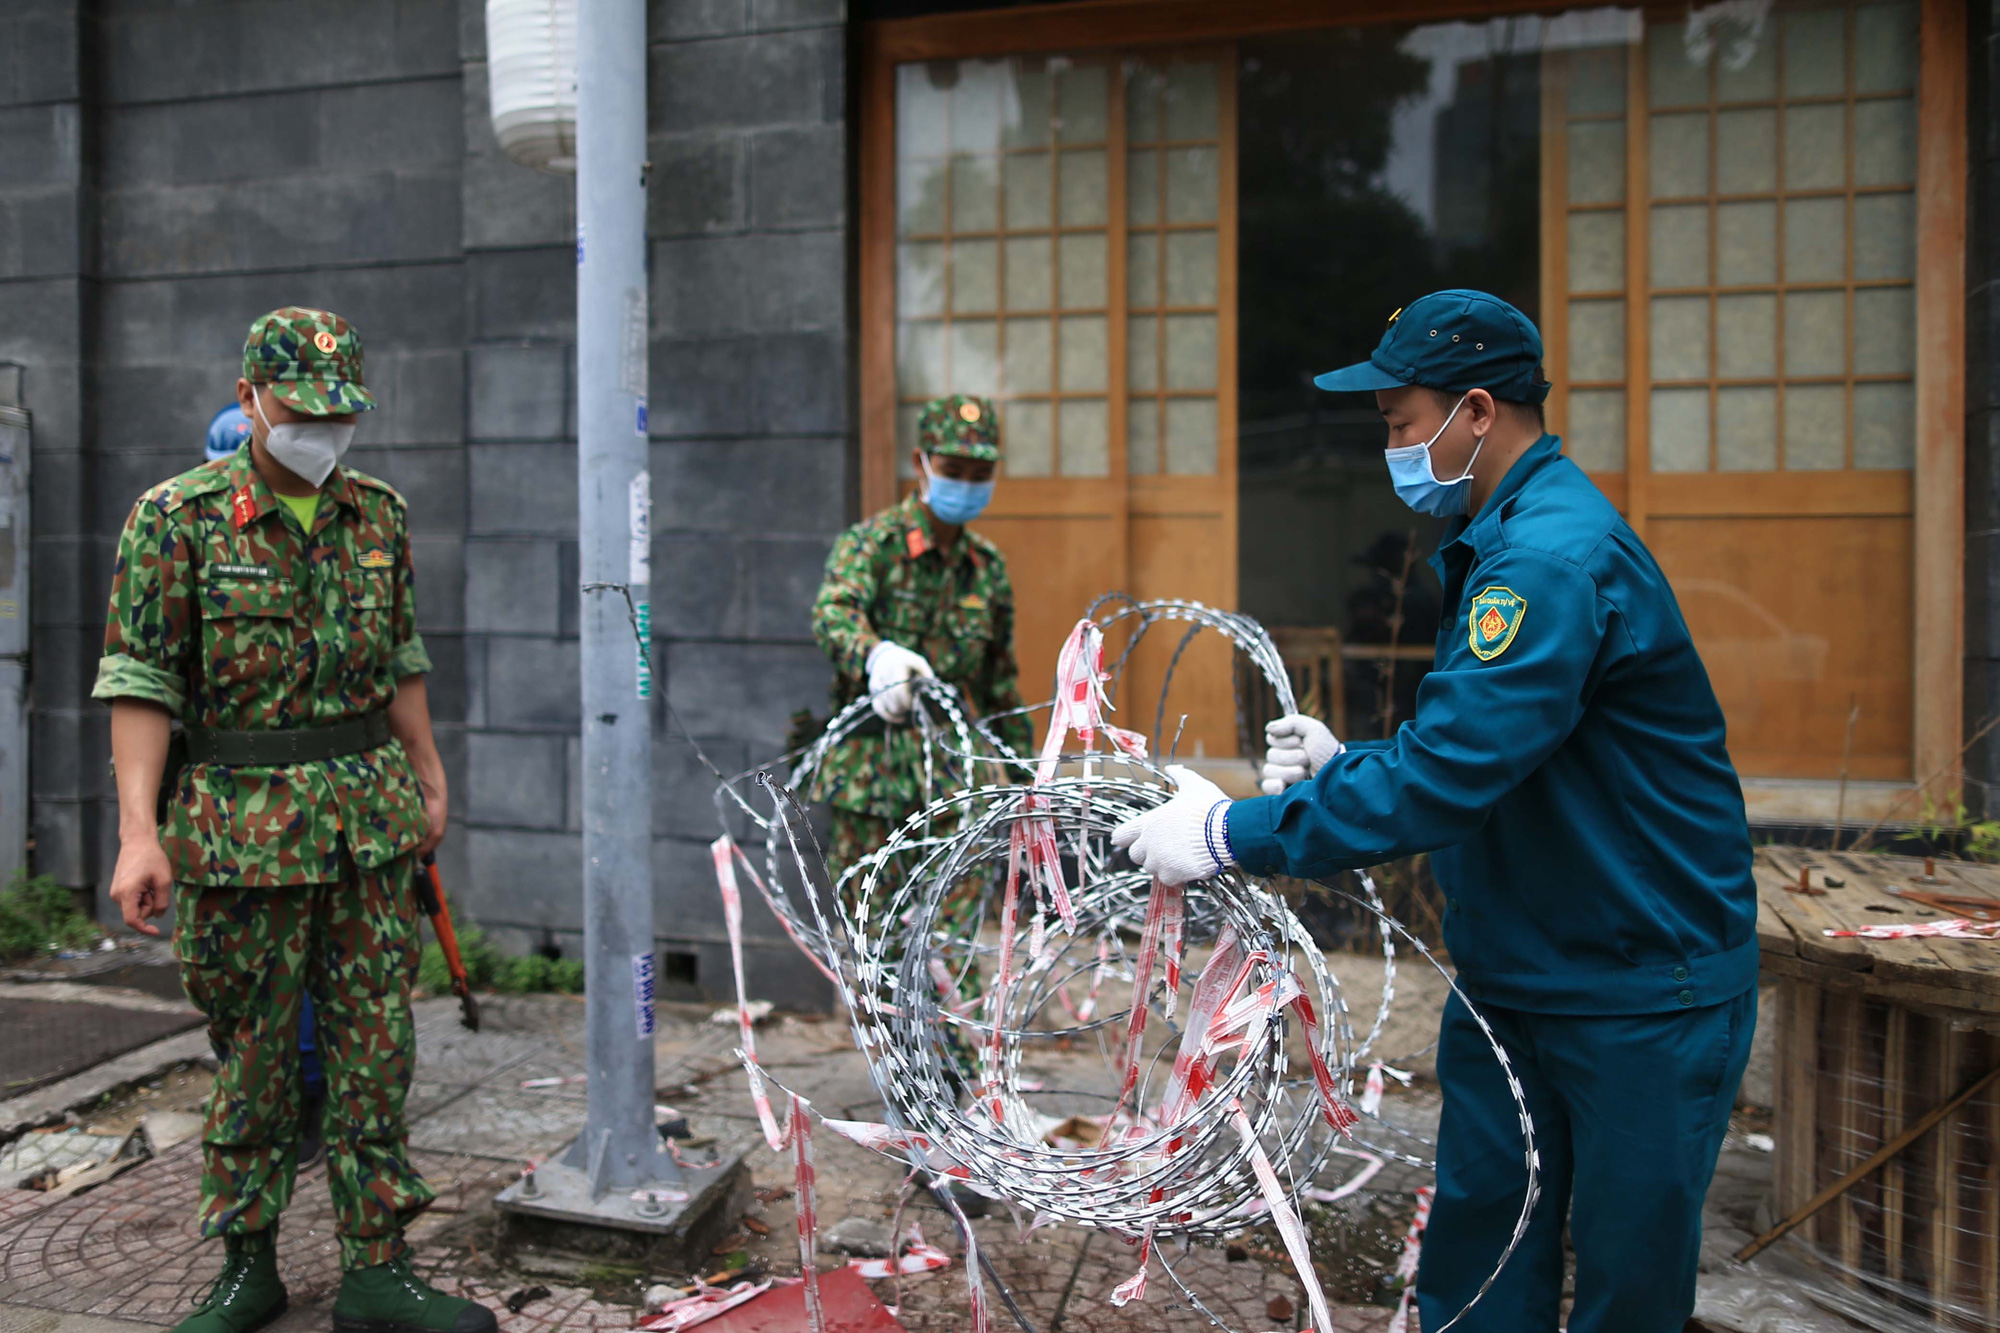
(229, 615)
(1566, 765)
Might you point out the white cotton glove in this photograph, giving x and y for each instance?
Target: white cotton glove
(1187, 838)
(1299, 747)
(891, 668)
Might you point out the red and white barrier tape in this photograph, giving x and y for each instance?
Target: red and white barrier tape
(1958, 928)
(1406, 1263)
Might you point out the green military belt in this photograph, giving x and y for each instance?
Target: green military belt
(293, 745)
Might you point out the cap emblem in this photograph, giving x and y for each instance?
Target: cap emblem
(325, 342)
(968, 412)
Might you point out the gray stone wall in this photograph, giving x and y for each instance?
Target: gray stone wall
(46, 211)
(168, 170)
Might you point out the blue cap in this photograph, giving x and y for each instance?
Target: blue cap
(1454, 341)
(227, 430)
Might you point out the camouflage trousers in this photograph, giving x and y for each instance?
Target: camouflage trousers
(248, 957)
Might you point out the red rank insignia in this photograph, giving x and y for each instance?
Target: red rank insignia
(914, 540)
(243, 506)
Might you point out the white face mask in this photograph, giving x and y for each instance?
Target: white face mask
(308, 448)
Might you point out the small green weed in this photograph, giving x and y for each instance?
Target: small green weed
(38, 915)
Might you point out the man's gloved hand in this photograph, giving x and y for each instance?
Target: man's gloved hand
(891, 668)
(1299, 747)
(1187, 838)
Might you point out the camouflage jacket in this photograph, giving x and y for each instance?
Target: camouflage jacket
(886, 579)
(229, 616)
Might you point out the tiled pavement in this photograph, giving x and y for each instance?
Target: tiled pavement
(129, 1251)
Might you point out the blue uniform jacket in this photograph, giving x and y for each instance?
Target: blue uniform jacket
(1566, 765)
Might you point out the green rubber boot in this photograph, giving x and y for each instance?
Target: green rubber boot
(247, 1294)
(389, 1298)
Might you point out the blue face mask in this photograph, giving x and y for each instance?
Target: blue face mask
(1418, 486)
(953, 501)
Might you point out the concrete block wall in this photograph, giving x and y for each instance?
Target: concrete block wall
(171, 168)
(45, 295)
(750, 418)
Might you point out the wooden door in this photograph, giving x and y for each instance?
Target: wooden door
(1736, 240)
(1057, 233)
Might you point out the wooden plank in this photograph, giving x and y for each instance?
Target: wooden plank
(1554, 319)
(1809, 919)
(1781, 494)
(1638, 312)
(1895, 1106)
(1794, 1121)
(1939, 586)
(1944, 1164)
(876, 292)
(1129, 23)
(1965, 1005)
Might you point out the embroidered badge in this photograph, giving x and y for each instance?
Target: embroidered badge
(972, 601)
(223, 571)
(376, 558)
(243, 506)
(325, 342)
(915, 543)
(1495, 619)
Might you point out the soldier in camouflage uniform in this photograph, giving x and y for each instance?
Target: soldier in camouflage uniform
(912, 592)
(266, 600)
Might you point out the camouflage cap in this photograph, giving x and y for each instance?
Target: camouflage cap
(961, 425)
(310, 358)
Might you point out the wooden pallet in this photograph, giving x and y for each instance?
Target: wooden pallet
(1870, 1035)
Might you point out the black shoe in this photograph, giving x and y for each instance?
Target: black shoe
(312, 1115)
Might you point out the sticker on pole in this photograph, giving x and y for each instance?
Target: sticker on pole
(642, 993)
(642, 615)
(639, 504)
(632, 347)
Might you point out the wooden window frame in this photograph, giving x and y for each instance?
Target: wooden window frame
(1937, 480)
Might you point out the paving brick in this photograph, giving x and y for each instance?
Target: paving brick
(510, 585)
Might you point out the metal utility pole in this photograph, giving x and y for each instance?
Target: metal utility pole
(614, 502)
(617, 1173)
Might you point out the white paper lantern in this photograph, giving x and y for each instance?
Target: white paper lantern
(531, 68)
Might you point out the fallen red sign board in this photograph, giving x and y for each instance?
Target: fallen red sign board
(850, 1308)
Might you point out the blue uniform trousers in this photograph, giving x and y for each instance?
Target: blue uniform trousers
(1629, 1113)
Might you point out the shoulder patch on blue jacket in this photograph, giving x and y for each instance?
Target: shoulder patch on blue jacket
(1494, 620)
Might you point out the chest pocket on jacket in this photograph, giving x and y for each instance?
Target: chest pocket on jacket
(246, 625)
(370, 598)
(906, 616)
